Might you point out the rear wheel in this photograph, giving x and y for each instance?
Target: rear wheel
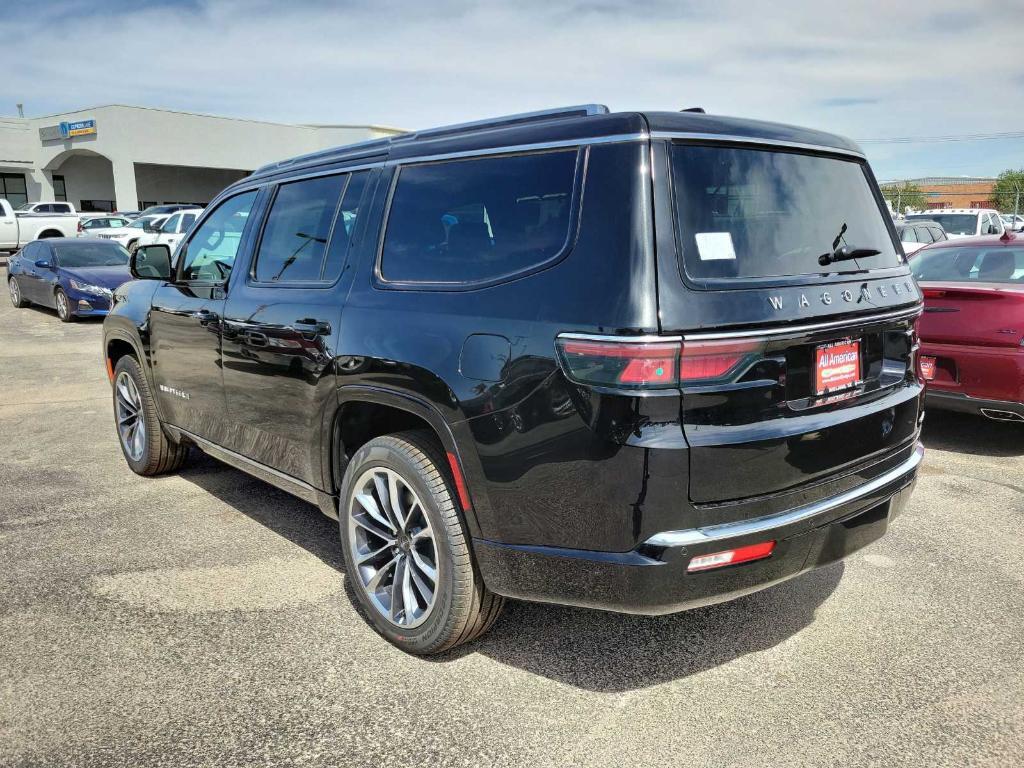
(146, 447)
(15, 290)
(63, 307)
(407, 554)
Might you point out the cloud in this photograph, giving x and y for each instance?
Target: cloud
(413, 64)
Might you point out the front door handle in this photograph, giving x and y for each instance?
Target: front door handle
(309, 327)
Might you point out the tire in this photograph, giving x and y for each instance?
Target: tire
(461, 607)
(15, 292)
(63, 304)
(152, 452)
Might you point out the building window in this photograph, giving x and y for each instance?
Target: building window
(144, 204)
(60, 190)
(98, 206)
(13, 188)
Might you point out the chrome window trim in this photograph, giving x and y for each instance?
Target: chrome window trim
(728, 138)
(806, 328)
(769, 523)
(511, 149)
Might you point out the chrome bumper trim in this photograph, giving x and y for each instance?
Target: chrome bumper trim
(771, 522)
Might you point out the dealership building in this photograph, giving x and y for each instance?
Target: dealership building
(127, 158)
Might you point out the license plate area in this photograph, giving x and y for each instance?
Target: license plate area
(837, 366)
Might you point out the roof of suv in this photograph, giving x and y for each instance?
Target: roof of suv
(569, 125)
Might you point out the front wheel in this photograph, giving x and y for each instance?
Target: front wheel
(146, 447)
(407, 554)
(64, 307)
(16, 298)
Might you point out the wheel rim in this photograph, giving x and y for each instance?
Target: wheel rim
(15, 294)
(62, 305)
(130, 424)
(392, 547)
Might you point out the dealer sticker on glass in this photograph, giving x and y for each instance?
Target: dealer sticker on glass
(837, 365)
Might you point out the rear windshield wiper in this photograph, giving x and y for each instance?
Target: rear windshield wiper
(844, 252)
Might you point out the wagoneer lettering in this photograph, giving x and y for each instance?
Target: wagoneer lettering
(512, 359)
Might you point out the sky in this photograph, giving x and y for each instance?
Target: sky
(873, 71)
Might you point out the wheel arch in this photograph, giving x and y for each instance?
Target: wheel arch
(46, 234)
(364, 412)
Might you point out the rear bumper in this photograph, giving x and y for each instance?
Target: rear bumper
(963, 403)
(652, 579)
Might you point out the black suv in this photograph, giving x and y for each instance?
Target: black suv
(637, 362)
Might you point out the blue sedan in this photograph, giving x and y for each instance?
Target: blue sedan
(75, 276)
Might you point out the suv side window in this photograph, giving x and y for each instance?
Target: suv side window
(210, 252)
(171, 225)
(924, 235)
(909, 235)
(470, 221)
(295, 236)
(187, 220)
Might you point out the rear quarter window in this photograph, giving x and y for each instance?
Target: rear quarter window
(481, 220)
(768, 213)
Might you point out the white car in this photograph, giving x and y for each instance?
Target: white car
(142, 231)
(1013, 222)
(16, 229)
(963, 222)
(47, 208)
(916, 235)
(90, 226)
(174, 228)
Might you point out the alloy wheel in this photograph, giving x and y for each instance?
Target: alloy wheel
(392, 547)
(62, 305)
(130, 423)
(12, 284)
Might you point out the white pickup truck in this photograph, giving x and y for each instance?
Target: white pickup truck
(16, 229)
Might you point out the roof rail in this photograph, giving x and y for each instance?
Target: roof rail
(580, 110)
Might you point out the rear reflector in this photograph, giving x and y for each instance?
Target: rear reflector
(927, 366)
(731, 557)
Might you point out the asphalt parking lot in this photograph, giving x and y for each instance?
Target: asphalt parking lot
(202, 619)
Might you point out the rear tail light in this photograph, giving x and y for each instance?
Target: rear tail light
(710, 360)
(647, 365)
(620, 364)
(731, 557)
(80, 227)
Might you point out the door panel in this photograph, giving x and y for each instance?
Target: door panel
(186, 321)
(280, 333)
(185, 325)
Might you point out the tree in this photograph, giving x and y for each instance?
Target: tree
(1009, 191)
(904, 195)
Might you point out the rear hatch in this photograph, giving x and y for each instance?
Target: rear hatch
(793, 372)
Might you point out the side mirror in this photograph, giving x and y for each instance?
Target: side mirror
(993, 229)
(151, 262)
(43, 264)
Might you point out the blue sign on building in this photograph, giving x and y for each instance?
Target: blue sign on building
(78, 128)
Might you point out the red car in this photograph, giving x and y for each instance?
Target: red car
(972, 329)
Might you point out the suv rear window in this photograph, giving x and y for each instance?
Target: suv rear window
(479, 220)
(752, 213)
(953, 223)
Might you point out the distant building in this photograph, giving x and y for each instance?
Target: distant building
(954, 191)
(127, 158)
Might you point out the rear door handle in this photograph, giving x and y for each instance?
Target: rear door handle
(309, 327)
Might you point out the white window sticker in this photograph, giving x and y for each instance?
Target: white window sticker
(715, 246)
